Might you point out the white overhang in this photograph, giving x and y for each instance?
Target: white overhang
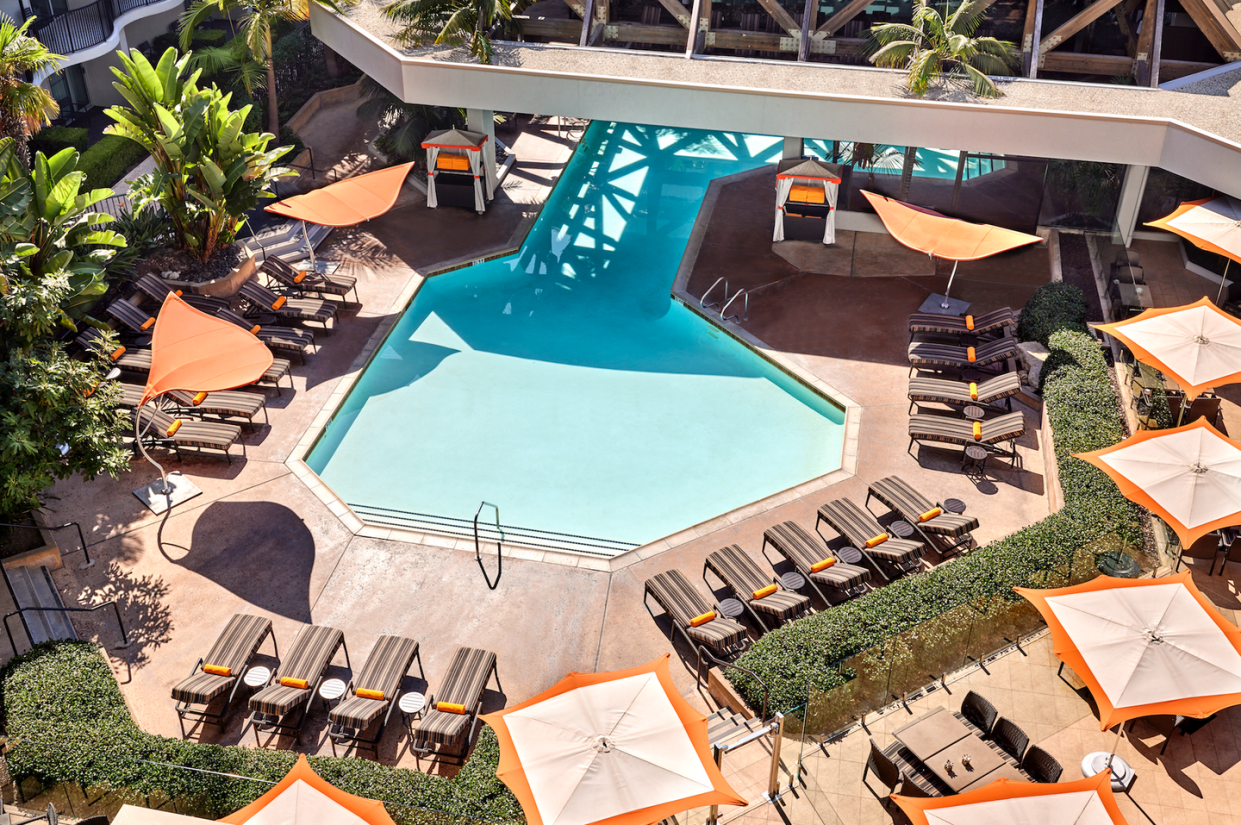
(1193, 135)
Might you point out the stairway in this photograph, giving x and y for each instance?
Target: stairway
(32, 586)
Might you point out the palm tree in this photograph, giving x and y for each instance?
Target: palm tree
(933, 49)
(406, 124)
(451, 23)
(24, 107)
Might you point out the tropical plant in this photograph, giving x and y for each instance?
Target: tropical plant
(405, 124)
(208, 171)
(24, 106)
(938, 50)
(870, 156)
(463, 23)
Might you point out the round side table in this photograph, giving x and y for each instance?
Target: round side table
(256, 677)
(410, 705)
(901, 529)
(793, 580)
(849, 555)
(974, 458)
(732, 608)
(331, 690)
(1122, 774)
(973, 412)
(954, 505)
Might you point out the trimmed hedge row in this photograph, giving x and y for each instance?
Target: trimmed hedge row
(51, 139)
(1082, 406)
(68, 723)
(108, 159)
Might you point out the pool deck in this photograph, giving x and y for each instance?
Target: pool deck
(260, 540)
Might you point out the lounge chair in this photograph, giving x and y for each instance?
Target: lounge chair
(159, 428)
(228, 659)
(924, 355)
(738, 571)
(264, 301)
(988, 324)
(296, 681)
(863, 531)
(221, 405)
(374, 693)
(808, 554)
(452, 714)
(136, 321)
(277, 339)
(307, 283)
(989, 393)
(918, 510)
(157, 290)
(956, 431)
(695, 618)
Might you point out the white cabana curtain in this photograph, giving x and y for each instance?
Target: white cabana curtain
(433, 154)
(829, 230)
(783, 187)
(476, 160)
(490, 171)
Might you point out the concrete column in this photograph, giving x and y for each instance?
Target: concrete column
(793, 148)
(1130, 200)
(484, 120)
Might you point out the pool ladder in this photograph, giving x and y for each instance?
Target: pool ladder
(724, 316)
(478, 554)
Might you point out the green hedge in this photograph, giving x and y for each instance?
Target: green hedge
(68, 723)
(1084, 413)
(108, 159)
(51, 139)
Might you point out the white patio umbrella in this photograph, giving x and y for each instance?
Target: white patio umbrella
(1213, 224)
(1087, 801)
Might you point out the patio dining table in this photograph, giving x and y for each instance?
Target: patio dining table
(941, 742)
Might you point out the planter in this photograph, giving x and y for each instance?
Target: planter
(225, 287)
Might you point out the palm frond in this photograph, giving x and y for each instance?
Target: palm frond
(980, 84)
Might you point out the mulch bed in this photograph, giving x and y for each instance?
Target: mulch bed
(1075, 268)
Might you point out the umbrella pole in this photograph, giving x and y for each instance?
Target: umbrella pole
(1120, 729)
(164, 487)
(944, 305)
(1223, 280)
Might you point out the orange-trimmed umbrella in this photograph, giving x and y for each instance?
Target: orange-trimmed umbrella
(1144, 647)
(305, 798)
(943, 237)
(1088, 801)
(1213, 224)
(620, 748)
(1188, 476)
(1198, 345)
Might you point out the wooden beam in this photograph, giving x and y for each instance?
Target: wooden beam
(1146, 41)
(1030, 36)
(638, 33)
(1075, 24)
(1108, 65)
(774, 42)
(691, 42)
(1218, 28)
(837, 21)
(578, 6)
(1172, 69)
(782, 17)
(1156, 45)
(564, 31)
(1127, 7)
(586, 21)
(677, 11)
(808, 19)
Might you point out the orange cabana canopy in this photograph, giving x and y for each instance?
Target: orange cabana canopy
(197, 352)
(621, 748)
(1144, 647)
(1088, 801)
(305, 798)
(347, 202)
(944, 237)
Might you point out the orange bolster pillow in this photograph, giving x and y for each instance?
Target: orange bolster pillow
(366, 693)
(301, 276)
(807, 194)
(764, 592)
(177, 293)
(453, 163)
(449, 707)
(822, 565)
(969, 322)
(973, 391)
(702, 619)
(280, 302)
(147, 324)
(875, 541)
(199, 397)
(930, 514)
(176, 425)
(254, 330)
(218, 670)
(289, 681)
(969, 353)
(91, 391)
(117, 353)
(978, 431)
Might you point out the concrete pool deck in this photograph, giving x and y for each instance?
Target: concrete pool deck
(259, 540)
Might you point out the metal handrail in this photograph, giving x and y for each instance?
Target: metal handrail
(81, 537)
(22, 612)
(746, 317)
(702, 300)
(83, 27)
(703, 651)
(478, 556)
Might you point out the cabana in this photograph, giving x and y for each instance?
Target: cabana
(455, 156)
(807, 187)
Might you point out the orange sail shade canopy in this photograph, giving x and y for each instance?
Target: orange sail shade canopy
(197, 352)
(1088, 801)
(1144, 647)
(304, 798)
(621, 748)
(347, 202)
(944, 237)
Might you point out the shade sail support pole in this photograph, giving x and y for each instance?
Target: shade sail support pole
(944, 305)
(309, 246)
(165, 488)
(1222, 281)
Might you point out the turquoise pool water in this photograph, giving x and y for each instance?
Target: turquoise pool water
(930, 163)
(564, 384)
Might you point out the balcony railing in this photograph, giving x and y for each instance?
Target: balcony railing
(83, 27)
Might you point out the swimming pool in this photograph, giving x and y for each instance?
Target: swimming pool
(928, 163)
(566, 386)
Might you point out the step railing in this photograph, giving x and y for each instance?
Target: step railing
(21, 613)
(74, 524)
(478, 552)
(702, 302)
(724, 316)
(704, 653)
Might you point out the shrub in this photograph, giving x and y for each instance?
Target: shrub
(51, 139)
(1082, 407)
(108, 159)
(68, 723)
(1054, 306)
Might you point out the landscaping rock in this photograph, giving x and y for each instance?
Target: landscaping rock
(1033, 355)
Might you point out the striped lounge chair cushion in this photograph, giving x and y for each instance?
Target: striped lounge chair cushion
(927, 354)
(208, 434)
(859, 526)
(744, 577)
(241, 638)
(908, 503)
(682, 603)
(988, 323)
(304, 309)
(383, 671)
(139, 360)
(230, 403)
(955, 431)
(326, 284)
(928, 390)
(793, 542)
(286, 338)
(312, 651)
(467, 676)
(129, 315)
